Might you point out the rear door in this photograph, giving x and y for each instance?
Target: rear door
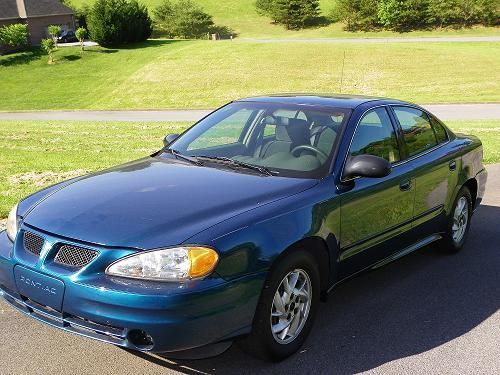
(375, 211)
(435, 170)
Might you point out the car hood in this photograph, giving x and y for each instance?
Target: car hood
(153, 202)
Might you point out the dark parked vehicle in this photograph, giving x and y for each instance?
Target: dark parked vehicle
(238, 227)
(67, 36)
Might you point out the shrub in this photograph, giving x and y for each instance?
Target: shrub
(182, 19)
(293, 14)
(402, 15)
(115, 22)
(356, 14)
(48, 47)
(81, 34)
(15, 35)
(185, 19)
(54, 30)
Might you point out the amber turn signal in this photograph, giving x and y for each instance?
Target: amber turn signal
(202, 261)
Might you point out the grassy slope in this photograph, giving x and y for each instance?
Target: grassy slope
(203, 74)
(36, 154)
(241, 16)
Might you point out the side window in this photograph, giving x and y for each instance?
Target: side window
(270, 130)
(417, 130)
(227, 132)
(375, 136)
(439, 129)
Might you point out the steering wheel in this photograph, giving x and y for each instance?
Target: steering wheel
(310, 148)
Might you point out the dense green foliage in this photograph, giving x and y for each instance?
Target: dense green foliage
(356, 14)
(404, 15)
(182, 19)
(15, 35)
(115, 22)
(48, 46)
(81, 34)
(293, 14)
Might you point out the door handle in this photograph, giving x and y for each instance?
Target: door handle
(452, 165)
(405, 185)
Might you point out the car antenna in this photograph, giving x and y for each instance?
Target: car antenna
(342, 73)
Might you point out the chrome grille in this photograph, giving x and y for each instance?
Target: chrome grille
(33, 243)
(74, 256)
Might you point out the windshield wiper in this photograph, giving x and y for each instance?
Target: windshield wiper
(260, 169)
(179, 155)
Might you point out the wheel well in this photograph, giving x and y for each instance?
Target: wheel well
(317, 247)
(471, 184)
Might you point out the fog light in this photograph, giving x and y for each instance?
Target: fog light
(141, 339)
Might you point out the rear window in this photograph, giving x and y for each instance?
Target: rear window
(439, 129)
(417, 130)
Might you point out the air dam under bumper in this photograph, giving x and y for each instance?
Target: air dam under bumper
(123, 316)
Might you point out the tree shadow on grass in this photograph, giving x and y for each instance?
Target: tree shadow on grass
(414, 305)
(21, 58)
(150, 43)
(71, 57)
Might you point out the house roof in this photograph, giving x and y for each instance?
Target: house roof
(36, 8)
(11, 9)
(8, 9)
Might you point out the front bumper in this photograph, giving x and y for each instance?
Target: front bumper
(176, 316)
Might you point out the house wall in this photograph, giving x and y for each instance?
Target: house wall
(37, 26)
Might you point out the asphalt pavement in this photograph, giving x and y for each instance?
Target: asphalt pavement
(427, 313)
(478, 111)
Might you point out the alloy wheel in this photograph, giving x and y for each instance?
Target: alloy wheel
(460, 220)
(291, 306)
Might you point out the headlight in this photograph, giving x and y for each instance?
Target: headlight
(13, 224)
(175, 264)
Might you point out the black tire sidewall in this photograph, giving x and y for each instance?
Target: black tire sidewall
(261, 332)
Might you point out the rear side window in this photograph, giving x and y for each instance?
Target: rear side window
(375, 136)
(417, 130)
(439, 129)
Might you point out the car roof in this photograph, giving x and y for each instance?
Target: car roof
(322, 100)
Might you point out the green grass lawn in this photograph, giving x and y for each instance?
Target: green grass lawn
(34, 154)
(204, 74)
(240, 15)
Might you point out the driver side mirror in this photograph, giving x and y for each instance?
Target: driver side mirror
(169, 139)
(366, 166)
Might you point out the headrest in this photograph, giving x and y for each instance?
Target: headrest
(298, 131)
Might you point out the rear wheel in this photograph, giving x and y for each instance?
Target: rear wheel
(287, 308)
(458, 222)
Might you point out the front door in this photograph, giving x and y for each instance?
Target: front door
(374, 211)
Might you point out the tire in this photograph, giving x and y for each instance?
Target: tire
(299, 312)
(458, 226)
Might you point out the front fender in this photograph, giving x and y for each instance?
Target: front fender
(250, 242)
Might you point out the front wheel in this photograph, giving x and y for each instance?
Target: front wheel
(458, 222)
(287, 308)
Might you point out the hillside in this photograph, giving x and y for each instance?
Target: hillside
(240, 15)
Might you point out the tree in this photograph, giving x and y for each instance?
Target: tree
(81, 33)
(293, 14)
(115, 22)
(48, 46)
(54, 31)
(15, 35)
(356, 14)
(402, 15)
(183, 19)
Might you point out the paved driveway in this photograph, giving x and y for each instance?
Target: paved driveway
(426, 313)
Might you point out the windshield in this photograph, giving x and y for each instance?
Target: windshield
(288, 140)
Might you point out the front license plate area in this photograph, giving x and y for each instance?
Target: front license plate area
(40, 288)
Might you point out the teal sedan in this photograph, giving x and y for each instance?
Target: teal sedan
(239, 227)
